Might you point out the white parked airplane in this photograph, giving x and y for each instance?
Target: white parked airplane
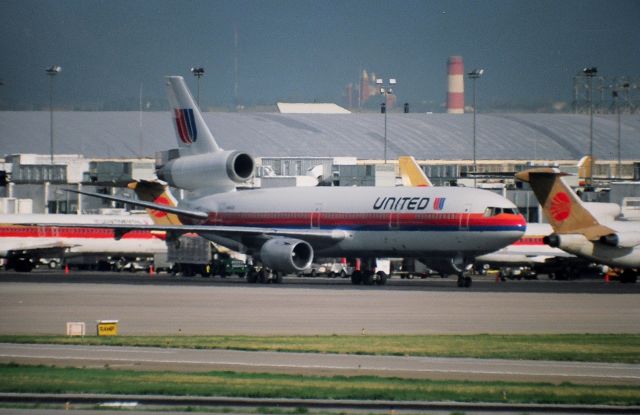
(284, 228)
(22, 243)
(586, 230)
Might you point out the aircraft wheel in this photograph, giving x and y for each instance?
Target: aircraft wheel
(467, 282)
(382, 278)
(629, 277)
(23, 265)
(367, 278)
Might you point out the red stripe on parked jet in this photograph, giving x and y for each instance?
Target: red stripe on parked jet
(21, 231)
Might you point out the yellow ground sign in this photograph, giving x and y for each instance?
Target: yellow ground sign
(107, 327)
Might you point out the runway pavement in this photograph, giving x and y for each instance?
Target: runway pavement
(146, 358)
(42, 304)
(40, 307)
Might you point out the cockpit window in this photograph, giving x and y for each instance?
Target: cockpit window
(493, 211)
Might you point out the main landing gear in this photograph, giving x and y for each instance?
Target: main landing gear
(368, 278)
(264, 275)
(367, 274)
(464, 280)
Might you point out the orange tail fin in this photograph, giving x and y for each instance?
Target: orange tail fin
(156, 192)
(562, 207)
(411, 173)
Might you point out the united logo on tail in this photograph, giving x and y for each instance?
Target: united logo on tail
(186, 125)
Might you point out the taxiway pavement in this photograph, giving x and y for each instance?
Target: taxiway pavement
(149, 358)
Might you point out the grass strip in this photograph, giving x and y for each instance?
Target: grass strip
(44, 379)
(611, 348)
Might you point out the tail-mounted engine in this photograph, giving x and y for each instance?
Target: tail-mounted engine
(622, 239)
(222, 170)
(574, 243)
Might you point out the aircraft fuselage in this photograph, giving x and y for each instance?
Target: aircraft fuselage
(376, 222)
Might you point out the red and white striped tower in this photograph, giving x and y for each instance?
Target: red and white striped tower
(455, 95)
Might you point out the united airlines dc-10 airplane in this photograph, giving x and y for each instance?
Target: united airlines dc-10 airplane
(284, 228)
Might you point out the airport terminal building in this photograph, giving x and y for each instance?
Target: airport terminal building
(105, 150)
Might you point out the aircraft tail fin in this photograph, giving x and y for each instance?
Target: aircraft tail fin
(156, 192)
(411, 173)
(584, 167)
(192, 133)
(562, 207)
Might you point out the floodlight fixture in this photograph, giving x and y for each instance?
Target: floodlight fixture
(53, 70)
(385, 90)
(198, 72)
(476, 73)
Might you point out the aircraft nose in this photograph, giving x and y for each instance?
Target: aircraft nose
(520, 222)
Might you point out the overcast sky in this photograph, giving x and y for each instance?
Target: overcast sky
(302, 50)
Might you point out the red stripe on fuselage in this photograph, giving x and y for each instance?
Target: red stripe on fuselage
(21, 231)
(530, 240)
(328, 220)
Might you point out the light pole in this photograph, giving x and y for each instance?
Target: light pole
(616, 106)
(616, 96)
(590, 73)
(385, 89)
(474, 75)
(52, 71)
(198, 73)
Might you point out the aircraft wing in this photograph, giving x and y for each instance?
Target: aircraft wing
(332, 235)
(529, 257)
(196, 214)
(503, 258)
(309, 235)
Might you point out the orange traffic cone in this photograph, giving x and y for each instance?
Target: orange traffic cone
(66, 268)
(606, 277)
(152, 271)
